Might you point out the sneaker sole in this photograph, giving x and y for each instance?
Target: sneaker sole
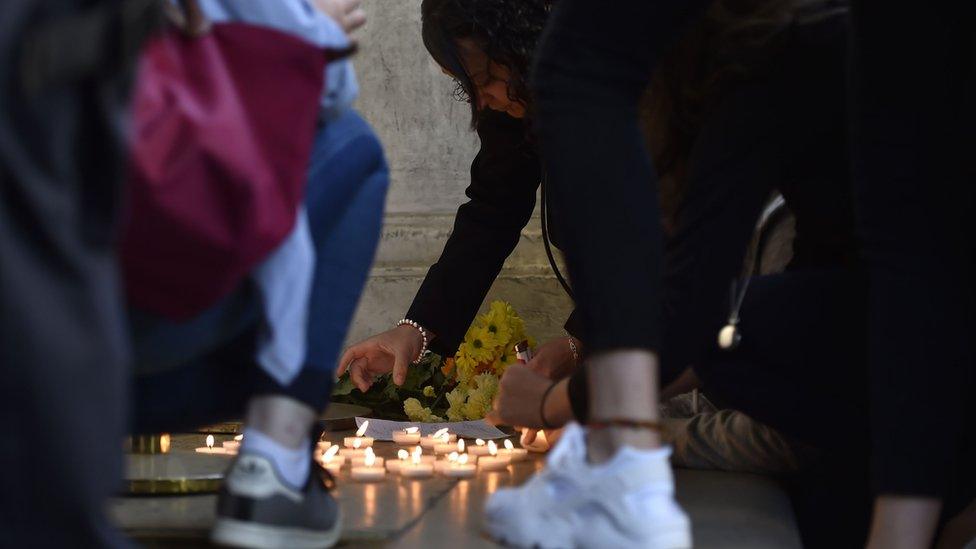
(237, 533)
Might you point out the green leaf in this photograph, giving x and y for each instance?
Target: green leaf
(343, 387)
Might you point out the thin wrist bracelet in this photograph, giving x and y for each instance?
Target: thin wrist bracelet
(572, 347)
(424, 351)
(542, 406)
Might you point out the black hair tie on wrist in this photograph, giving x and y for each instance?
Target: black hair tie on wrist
(542, 407)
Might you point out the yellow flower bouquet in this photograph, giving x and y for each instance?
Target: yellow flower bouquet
(457, 388)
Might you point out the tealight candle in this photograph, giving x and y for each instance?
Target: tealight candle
(233, 445)
(360, 461)
(368, 472)
(407, 437)
(331, 461)
(393, 465)
(514, 454)
(479, 448)
(416, 468)
(493, 461)
(439, 437)
(364, 442)
(460, 468)
(355, 451)
(209, 449)
(447, 448)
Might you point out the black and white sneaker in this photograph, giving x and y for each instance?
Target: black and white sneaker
(255, 508)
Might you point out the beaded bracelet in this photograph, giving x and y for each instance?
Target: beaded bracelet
(423, 333)
(572, 347)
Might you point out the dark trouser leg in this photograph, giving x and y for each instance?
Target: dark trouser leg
(62, 352)
(344, 202)
(914, 188)
(800, 370)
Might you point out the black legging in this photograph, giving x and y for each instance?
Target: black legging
(594, 61)
(913, 140)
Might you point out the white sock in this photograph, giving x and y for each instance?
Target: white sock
(292, 464)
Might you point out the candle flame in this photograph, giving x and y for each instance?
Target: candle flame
(463, 459)
(370, 459)
(417, 452)
(479, 442)
(416, 459)
(508, 445)
(460, 445)
(440, 433)
(403, 454)
(210, 441)
(330, 453)
(239, 438)
(492, 448)
(452, 457)
(411, 430)
(370, 452)
(357, 443)
(362, 428)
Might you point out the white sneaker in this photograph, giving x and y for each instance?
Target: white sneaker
(626, 502)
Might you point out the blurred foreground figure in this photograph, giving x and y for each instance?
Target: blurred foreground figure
(63, 78)
(916, 195)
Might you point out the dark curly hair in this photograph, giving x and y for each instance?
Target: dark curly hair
(506, 31)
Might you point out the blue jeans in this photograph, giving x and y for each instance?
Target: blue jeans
(204, 370)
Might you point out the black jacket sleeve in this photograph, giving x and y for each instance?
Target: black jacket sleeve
(504, 178)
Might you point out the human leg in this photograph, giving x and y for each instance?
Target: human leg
(914, 197)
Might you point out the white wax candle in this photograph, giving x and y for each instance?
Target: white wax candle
(368, 474)
(492, 463)
(478, 450)
(333, 466)
(430, 442)
(323, 445)
(210, 449)
(407, 437)
(369, 471)
(459, 469)
(416, 470)
(368, 457)
(352, 453)
(393, 465)
(357, 442)
(514, 454)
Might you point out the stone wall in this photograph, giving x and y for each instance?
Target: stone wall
(429, 146)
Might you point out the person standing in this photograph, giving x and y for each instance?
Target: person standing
(63, 402)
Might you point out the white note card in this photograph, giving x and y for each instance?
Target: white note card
(382, 429)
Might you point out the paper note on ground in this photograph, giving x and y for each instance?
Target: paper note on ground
(382, 429)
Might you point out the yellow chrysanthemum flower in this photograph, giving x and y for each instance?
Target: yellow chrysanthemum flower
(429, 391)
(455, 400)
(488, 385)
(476, 406)
(465, 366)
(415, 410)
(479, 345)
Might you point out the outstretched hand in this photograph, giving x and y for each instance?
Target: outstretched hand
(390, 351)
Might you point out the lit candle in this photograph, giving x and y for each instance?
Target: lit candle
(332, 461)
(514, 454)
(234, 445)
(416, 467)
(209, 449)
(407, 437)
(369, 471)
(364, 442)
(369, 455)
(355, 452)
(393, 465)
(460, 468)
(447, 448)
(479, 448)
(493, 461)
(439, 437)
